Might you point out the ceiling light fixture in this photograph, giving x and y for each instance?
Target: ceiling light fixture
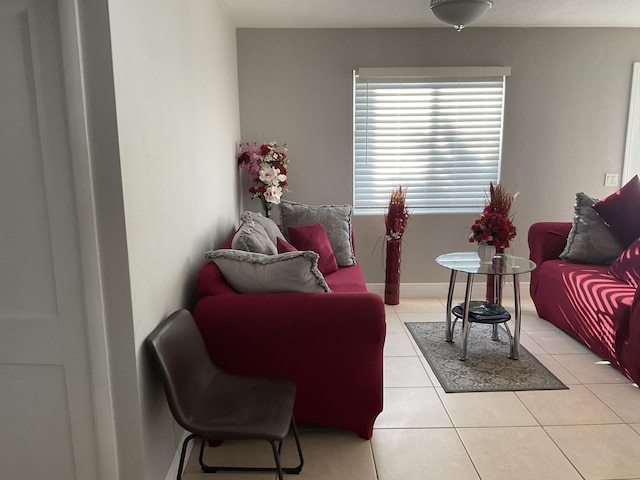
(459, 13)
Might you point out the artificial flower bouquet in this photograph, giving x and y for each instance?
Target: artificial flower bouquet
(266, 166)
(495, 226)
(397, 215)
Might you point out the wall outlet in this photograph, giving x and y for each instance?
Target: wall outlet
(610, 179)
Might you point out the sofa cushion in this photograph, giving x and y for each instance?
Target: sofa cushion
(590, 240)
(269, 225)
(284, 246)
(336, 220)
(627, 266)
(252, 237)
(248, 272)
(620, 211)
(314, 238)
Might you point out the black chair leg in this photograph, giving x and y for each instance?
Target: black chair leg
(298, 469)
(184, 452)
(276, 452)
(276, 457)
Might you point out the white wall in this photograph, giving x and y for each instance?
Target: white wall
(176, 100)
(565, 118)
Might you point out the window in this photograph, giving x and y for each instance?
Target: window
(437, 131)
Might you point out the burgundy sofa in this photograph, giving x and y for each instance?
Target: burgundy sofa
(585, 301)
(329, 344)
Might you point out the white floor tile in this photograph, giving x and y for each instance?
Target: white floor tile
(556, 342)
(412, 408)
(398, 344)
(495, 409)
(557, 369)
(600, 451)
(575, 406)
(420, 305)
(421, 454)
(623, 398)
(523, 453)
(422, 316)
(405, 372)
(589, 368)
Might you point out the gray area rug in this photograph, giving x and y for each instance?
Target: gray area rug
(487, 368)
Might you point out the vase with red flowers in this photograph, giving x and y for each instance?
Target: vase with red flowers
(494, 229)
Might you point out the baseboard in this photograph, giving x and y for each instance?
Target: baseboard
(175, 463)
(437, 290)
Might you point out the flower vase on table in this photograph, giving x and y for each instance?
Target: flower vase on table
(486, 252)
(496, 228)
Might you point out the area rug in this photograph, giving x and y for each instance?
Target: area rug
(487, 368)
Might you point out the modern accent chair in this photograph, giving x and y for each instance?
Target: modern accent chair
(215, 405)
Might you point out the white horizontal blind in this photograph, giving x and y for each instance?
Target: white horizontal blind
(436, 131)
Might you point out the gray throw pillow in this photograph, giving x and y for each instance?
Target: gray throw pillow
(269, 225)
(248, 272)
(589, 240)
(252, 237)
(336, 220)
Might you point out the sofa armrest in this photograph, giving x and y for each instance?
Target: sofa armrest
(329, 344)
(547, 240)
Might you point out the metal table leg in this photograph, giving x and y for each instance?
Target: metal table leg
(465, 317)
(497, 294)
(515, 338)
(452, 284)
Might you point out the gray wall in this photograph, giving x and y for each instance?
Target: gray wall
(565, 119)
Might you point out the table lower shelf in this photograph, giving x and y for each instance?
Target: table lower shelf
(491, 318)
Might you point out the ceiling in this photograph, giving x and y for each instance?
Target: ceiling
(415, 13)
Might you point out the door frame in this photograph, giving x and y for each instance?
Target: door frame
(97, 340)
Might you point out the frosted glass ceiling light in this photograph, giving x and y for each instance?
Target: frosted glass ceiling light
(459, 13)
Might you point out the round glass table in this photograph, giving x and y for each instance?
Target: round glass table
(485, 312)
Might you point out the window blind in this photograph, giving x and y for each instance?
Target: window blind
(436, 131)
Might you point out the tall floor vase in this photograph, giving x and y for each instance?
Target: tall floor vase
(392, 273)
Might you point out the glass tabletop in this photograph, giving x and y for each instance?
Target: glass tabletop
(469, 262)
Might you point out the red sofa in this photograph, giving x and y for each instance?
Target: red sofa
(585, 301)
(329, 344)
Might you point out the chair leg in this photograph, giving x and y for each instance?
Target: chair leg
(276, 452)
(184, 452)
(276, 457)
(298, 469)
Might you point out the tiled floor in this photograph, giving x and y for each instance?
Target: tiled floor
(591, 431)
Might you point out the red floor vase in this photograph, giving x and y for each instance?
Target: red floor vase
(392, 273)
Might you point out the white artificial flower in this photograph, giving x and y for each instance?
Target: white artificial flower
(273, 194)
(267, 174)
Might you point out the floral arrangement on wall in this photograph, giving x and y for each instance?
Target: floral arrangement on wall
(266, 166)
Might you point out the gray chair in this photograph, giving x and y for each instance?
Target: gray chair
(215, 405)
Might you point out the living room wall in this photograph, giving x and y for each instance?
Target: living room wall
(565, 119)
(176, 100)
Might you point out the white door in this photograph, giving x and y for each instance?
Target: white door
(47, 421)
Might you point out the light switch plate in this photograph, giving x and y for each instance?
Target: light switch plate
(610, 179)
